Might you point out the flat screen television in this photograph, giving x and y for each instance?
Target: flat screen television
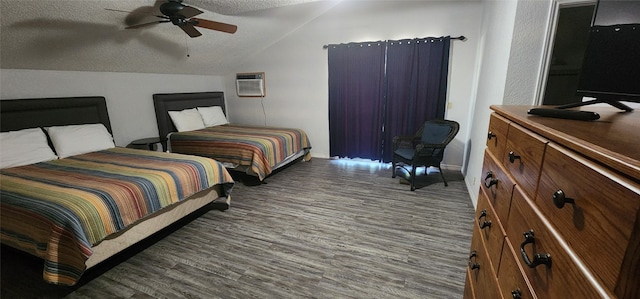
(611, 66)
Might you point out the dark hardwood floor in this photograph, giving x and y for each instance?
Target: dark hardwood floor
(319, 229)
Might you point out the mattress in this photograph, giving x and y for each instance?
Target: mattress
(259, 149)
(61, 209)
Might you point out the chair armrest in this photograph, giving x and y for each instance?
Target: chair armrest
(404, 141)
(422, 146)
(424, 149)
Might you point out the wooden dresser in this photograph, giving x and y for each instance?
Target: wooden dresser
(558, 210)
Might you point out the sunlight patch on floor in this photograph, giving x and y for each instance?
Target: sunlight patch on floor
(360, 164)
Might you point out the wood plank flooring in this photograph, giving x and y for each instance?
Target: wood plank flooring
(318, 229)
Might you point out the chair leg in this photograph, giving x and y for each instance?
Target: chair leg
(413, 178)
(393, 169)
(442, 175)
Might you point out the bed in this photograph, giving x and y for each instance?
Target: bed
(255, 150)
(78, 210)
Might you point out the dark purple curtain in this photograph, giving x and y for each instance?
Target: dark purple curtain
(356, 73)
(381, 90)
(416, 79)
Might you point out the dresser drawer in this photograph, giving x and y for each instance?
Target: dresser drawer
(468, 287)
(497, 134)
(593, 209)
(512, 282)
(576, 197)
(491, 230)
(533, 239)
(497, 185)
(523, 157)
(482, 273)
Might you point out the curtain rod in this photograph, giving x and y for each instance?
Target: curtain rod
(461, 37)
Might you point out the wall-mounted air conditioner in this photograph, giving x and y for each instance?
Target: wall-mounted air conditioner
(250, 85)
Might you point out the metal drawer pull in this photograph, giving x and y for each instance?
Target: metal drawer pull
(559, 199)
(483, 224)
(490, 135)
(491, 182)
(473, 264)
(513, 157)
(538, 258)
(516, 294)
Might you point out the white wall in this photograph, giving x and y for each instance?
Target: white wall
(527, 52)
(128, 95)
(512, 61)
(497, 30)
(296, 66)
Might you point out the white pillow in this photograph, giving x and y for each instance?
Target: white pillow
(24, 147)
(187, 120)
(213, 116)
(79, 139)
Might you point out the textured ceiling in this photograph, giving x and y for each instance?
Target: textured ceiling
(234, 7)
(82, 35)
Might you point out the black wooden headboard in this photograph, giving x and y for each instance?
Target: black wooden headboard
(165, 102)
(46, 112)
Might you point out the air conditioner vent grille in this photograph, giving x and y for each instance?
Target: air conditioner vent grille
(250, 85)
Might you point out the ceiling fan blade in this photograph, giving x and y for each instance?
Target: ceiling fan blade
(146, 24)
(138, 15)
(147, 13)
(190, 30)
(213, 25)
(117, 10)
(188, 12)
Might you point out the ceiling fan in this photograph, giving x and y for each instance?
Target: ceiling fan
(183, 16)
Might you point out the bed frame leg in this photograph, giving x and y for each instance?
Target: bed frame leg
(222, 203)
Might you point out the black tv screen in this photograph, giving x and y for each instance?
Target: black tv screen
(611, 66)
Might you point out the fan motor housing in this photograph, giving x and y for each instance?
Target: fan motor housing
(171, 8)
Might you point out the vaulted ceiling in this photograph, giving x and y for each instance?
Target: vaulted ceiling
(90, 35)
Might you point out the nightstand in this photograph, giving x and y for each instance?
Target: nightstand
(146, 143)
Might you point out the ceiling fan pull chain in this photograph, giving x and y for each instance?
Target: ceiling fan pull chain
(186, 45)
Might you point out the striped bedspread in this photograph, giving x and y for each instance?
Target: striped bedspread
(260, 148)
(58, 210)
